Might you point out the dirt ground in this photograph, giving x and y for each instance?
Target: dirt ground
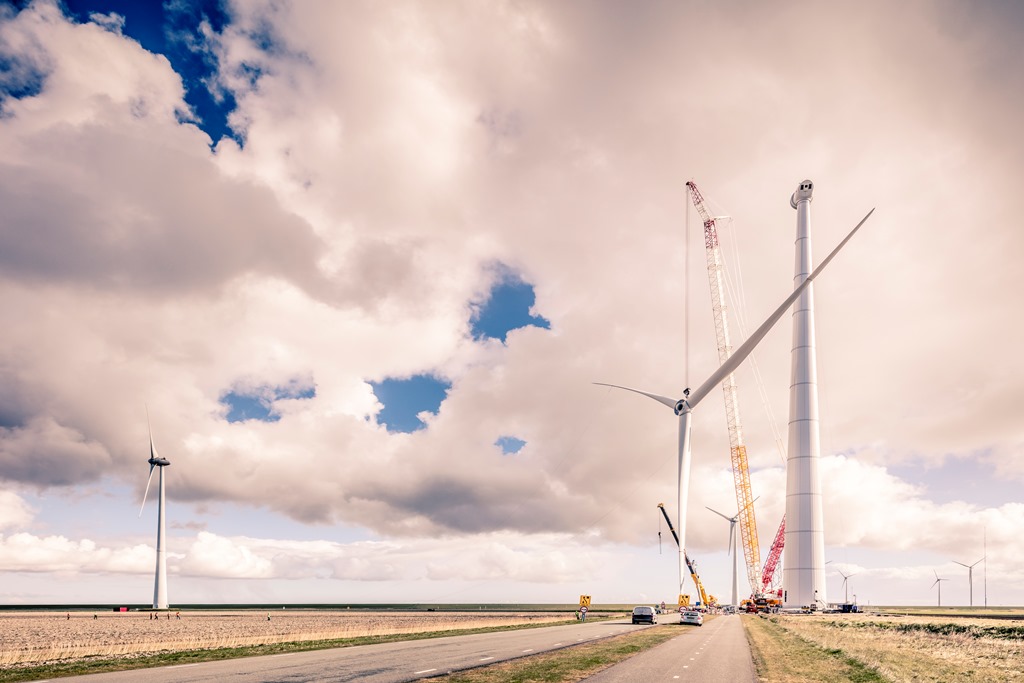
(38, 637)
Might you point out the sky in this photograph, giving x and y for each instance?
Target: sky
(363, 262)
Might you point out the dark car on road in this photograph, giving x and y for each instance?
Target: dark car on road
(644, 615)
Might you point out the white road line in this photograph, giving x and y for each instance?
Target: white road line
(425, 671)
(285, 654)
(556, 645)
(181, 666)
(528, 650)
(484, 659)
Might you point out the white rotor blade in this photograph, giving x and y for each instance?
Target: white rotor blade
(732, 530)
(152, 446)
(728, 519)
(146, 495)
(671, 403)
(754, 339)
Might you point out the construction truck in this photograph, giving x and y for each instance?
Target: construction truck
(706, 601)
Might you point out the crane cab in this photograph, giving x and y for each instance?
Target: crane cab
(803, 192)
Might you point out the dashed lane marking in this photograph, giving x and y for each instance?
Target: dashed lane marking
(425, 671)
(484, 659)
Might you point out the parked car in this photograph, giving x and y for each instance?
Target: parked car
(643, 614)
(691, 617)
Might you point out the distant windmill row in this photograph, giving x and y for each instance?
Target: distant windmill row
(970, 580)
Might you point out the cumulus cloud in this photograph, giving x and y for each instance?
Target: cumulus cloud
(24, 552)
(378, 175)
(15, 513)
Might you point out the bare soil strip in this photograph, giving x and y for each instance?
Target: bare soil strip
(35, 638)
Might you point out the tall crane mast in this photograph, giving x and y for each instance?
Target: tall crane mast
(737, 450)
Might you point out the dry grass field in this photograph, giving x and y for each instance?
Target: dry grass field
(917, 648)
(31, 638)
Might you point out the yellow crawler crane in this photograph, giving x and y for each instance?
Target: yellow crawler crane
(705, 599)
(737, 450)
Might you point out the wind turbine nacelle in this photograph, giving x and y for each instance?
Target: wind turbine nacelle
(159, 462)
(802, 193)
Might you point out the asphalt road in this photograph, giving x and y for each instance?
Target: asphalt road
(716, 652)
(383, 663)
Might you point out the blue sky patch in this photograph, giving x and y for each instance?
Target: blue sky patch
(20, 77)
(258, 403)
(507, 308)
(509, 445)
(173, 30)
(404, 399)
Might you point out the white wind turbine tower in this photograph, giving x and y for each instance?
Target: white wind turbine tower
(938, 582)
(683, 406)
(733, 521)
(160, 583)
(970, 576)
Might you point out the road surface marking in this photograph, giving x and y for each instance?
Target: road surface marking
(556, 645)
(484, 659)
(425, 671)
(529, 650)
(181, 666)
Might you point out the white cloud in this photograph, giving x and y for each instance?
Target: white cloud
(391, 157)
(15, 513)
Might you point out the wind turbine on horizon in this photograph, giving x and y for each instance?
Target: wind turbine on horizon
(160, 582)
(685, 405)
(970, 576)
(846, 588)
(733, 521)
(938, 582)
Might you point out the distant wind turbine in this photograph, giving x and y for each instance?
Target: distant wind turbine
(160, 582)
(732, 547)
(970, 576)
(846, 588)
(683, 406)
(938, 582)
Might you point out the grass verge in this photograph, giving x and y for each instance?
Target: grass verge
(569, 665)
(94, 665)
(781, 656)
